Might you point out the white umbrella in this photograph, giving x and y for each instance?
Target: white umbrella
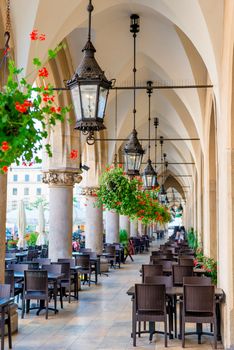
(21, 225)
(42, 237)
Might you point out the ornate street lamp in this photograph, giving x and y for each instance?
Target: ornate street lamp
(149, 175)
(89, 90)
(133, 151)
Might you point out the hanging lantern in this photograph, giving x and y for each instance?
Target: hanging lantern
(89, 90)
(149, 176)
(133, 153)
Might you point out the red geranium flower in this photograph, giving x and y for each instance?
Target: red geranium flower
(5, 146)
(5, 169)
(43, 72)
(47, 98)
(74, 154)
(42, 37)
(34, 34)
(20, 107)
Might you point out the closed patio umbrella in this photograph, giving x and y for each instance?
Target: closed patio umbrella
(42, 237)
(21, 225)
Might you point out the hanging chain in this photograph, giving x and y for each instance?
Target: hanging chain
(8, 17)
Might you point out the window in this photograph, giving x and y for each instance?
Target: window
(26, 191)
(38, 191)
(26, 178)
(14, 205)
(38, 177)
(15, 178)
(14, 191)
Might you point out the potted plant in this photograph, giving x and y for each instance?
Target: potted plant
(27, 112)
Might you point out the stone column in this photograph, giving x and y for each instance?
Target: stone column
(3, 201)
(133, 228)
(61, 184)
(124, 223)
(93, 222)
(112, 227)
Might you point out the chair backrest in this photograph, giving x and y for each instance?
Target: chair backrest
(33, 253)
(83, 261)
(65, 269)
(202, 281)
(42, 261)
(179, 272)
(161, 257)
(71, 261)
(9, 279)
(44, 252)
(52, 268)
(200, 299)
(5, 290)
(19, 267)
(150, 297)
(36, 280)
(156, 252)
(151, 270)
(166, 264)
(186, 262)
(110, 249)
(165, 280)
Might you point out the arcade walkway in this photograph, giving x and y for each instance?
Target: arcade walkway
(100, 320)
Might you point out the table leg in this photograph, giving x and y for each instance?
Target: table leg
(218, 316)
(199, 332)
(2, 327)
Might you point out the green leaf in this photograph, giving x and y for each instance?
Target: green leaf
(37, 62)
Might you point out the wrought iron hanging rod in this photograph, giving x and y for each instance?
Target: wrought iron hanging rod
(159, 87)
(196, 86)
(147, 139)
(172, 163)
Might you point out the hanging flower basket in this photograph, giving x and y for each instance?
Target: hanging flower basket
(117, 192)
(27, 112)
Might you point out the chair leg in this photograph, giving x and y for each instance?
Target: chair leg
(2, 328)
(183, 332)
(47, 305)
(69, 291)
(215, 334)
(134, 331)
(175, 316)
(23, 307)
(61, 297)
(139, 329)
(9, 329)
(165, 331)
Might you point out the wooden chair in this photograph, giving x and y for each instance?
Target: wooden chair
(150, 305)
(35, 288)
(199, 307)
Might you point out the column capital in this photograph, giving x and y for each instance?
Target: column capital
(62, 178)
(88, 191)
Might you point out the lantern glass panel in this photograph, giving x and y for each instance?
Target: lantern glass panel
(75, 94)
(102, 102)
(132, 161)
(89, 100)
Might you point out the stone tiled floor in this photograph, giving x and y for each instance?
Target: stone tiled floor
(100, 320)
